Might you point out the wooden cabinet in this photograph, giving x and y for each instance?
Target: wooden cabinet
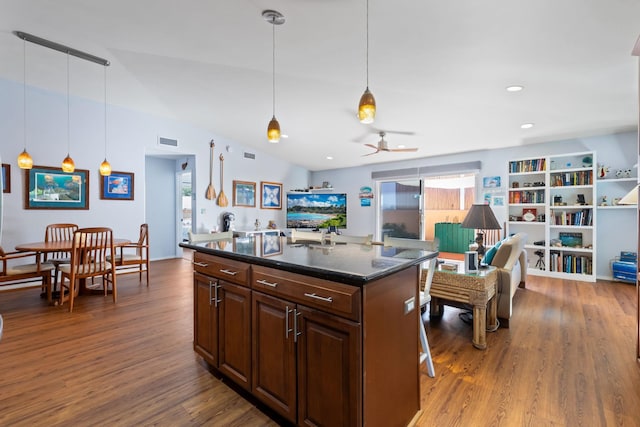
(222, 318)
(306, 360)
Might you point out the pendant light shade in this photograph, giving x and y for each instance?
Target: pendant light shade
(367, 105)
(24, 159)
(273, 129)
(67, 164)
(105, 167)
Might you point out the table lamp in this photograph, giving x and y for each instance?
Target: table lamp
(480, 217)
(631, 198)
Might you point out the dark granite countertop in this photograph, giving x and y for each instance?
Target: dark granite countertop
(348, 263)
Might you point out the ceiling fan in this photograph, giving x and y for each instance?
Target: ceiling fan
(382, 146)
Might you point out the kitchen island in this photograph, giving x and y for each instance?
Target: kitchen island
(323, 334)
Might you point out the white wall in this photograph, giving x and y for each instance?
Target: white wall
(616, 229)
(132, 136)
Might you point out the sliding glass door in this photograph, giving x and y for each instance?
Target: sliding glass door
(400, 212)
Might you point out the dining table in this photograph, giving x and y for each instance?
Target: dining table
(63, 246)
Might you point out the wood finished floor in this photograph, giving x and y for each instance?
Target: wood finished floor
(567, 360)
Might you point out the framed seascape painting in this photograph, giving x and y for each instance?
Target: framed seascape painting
(117, 186)
(51, 188)
(271, 195)
(244, 194)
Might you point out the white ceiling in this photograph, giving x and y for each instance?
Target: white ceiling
(437, 69)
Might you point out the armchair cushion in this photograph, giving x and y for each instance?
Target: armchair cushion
(511, 260)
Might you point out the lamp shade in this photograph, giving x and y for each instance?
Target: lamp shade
(631, 198)
(481, 217)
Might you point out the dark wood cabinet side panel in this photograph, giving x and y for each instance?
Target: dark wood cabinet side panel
(274, 356)
(234, 317)
(205, 341)
(329, 379)
(391, 355)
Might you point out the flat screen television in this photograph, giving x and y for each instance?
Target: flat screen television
(316, 210)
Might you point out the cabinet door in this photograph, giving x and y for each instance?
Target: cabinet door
(274, 356)
(205, 325)
(234, 321)
(329, 369)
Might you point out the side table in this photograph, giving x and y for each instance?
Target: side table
(477, 289)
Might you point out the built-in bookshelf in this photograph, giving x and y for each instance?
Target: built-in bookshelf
(552, 200)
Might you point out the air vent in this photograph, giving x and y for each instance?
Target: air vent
(167, 142)
(249, 156)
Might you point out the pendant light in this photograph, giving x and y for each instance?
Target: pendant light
(367, 106)
(105, 167)
(273, 129)
(67, 164)
(24, 159)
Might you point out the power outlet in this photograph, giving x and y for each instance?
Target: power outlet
(409, 305)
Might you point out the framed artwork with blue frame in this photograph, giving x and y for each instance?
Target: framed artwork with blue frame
(117, 186)
(271, 195)
(51, 188)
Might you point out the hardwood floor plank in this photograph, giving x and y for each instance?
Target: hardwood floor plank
(567, 359)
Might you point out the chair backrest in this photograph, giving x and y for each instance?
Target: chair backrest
(307, 236)
(341, 238)
(143, 241)
(209, 237)
(91, 246)
(400, 242)
(491, 237)
(429, 266)
(57, 233)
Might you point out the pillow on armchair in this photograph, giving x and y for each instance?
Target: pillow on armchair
(488, 255)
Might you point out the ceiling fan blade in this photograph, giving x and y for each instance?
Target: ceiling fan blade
(369, 154)
(406, 150)
(376, 131)
(375, 147)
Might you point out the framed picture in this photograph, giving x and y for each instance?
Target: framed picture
(529, 214)
(244, 194)
(271, 244)
(117, 186)
(6, 178)
(491, 182)
(271, 195)
(51, 188)
(497, 200)
(245, 245)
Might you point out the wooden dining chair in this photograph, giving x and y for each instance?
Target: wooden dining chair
(310, 236)
(91, 246)
(57, 233)
(134, 254)
(426, 277)
(342, 238)
(13, 272)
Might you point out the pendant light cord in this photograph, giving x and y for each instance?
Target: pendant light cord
(274, 64)
(68, 110)
(105, 113)
(24, 92)
(367, 59)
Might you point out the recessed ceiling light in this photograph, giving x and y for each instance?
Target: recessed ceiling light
(282, 135)
(329, 157)
(514, 88)
(526, 125)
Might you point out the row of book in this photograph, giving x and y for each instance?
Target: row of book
(532, 165)
(572, 178)
(526, 196)
(583, 217)
(572, 263)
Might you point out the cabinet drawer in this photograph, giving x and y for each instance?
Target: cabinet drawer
(336, 298)
(222, 268)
